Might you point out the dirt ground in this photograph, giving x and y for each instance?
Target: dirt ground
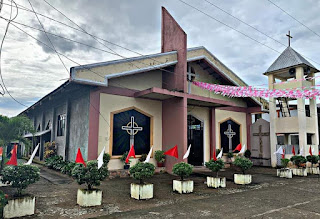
(267, 197)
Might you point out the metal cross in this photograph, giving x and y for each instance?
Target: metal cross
(229, 133)
(132, 129)
(260, 134)
(189, 78)
(289, 37)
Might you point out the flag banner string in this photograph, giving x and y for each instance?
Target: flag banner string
(234, 91)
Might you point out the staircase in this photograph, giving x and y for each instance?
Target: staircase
(284, 107)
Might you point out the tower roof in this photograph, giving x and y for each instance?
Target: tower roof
(289, 58)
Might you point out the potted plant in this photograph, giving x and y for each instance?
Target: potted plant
(284, 171)
(123, 158)
(143, 157)
(20, 177)
(244, 164)
(91, 176)
(183, 170)
(106, 158)
(160, 158)
(215, 166)
(247, 153)
(141, 171)
(300, 162)
(313, 160)
(230, 156)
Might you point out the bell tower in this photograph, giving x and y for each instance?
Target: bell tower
(292, 71)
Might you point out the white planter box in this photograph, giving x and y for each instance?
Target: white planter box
(299, 172)
(216, 182)
(87, 198)
(285, 173)
(19, 207)
(141, 191)
(242, 179)
(313, 170)
(182, 186)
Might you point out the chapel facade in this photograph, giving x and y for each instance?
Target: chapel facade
(147, 101)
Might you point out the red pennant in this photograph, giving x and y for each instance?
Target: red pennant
(13, 160)
(131, 153)
(319, 152)
(214, 155)
(310, 151)
(1, 151)
(172, 152)
(283, 153)
(238, 148)
(79, 158)
(293, 150)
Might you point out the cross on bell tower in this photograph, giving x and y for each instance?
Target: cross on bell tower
(289, 37)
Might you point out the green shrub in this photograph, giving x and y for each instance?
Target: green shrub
(89, 175)
(215, 166)
(247, 153)
(67, 168)
(230, 155)
(141, 171)
(54, 162)
(313, 159)
(298, 160)
(106, 159)
(243, 163)
(159, 156)
(285, 162)
(3, 202)
(20, 176)
(182, 169)
(143, 157)
(124, 157)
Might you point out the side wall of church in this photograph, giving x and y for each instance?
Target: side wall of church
(140, 81)
(238, 117)
(203, 114)
(205, 77)
(111, 103)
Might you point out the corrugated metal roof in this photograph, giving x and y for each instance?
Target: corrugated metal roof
(289, 57)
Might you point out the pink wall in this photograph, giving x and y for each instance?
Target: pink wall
(93, 124)
(212, 131)
(173, 38)
(174, 128)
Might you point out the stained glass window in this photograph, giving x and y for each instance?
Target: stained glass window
(121, 132)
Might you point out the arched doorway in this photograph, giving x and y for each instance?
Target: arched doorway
(195, 138)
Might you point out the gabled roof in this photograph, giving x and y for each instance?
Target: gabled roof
(288, 58)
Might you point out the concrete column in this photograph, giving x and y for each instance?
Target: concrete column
(248, 124)
(302, 115)
(314, 116)
(273, 118)
(212, 131)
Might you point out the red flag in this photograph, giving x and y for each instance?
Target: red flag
(15, 146)
(310, 151)
(13, 159)
(293, 150)
(214, 155)
(1, 151)
(79, 158)
(131, 153)
(238, 148)
(319, 152)
(283, 154)
(172, 152)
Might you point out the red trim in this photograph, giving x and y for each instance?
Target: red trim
(93, 125)
(249, 122)
(233, 109)
(212, 131)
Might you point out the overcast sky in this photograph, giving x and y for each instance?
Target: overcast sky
(31, 70)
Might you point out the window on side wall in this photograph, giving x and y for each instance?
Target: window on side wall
(61, 126)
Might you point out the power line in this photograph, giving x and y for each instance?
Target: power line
(294, 18)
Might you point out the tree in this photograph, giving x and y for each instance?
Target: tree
(13, 129)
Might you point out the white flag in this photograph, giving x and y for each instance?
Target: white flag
(301, 151)
(220, 154)
(243, 149)
(149, 156)
(279, 151)
(100, 158)
(187, 153)
(32, 155)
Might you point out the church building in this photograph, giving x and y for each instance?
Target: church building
(147, 101)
